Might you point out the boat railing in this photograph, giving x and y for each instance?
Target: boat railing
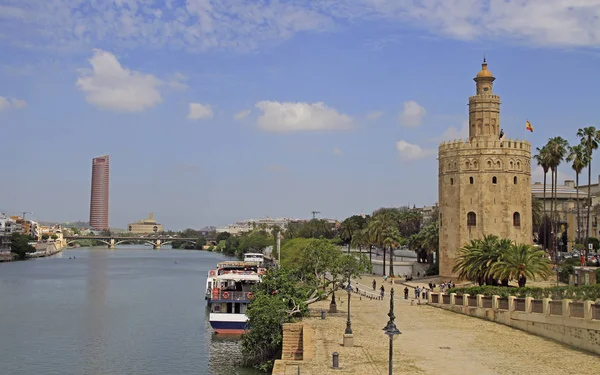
(231, 296)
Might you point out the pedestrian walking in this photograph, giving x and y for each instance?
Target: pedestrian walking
(382, 291)
(374, 284)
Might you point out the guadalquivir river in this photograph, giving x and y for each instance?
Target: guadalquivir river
(133, 311)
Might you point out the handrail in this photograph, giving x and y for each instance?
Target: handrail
(231, 296)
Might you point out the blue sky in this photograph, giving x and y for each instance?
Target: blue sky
(218, 111)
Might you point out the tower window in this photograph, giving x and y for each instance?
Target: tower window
(441, 221)
(517, 219)
(471, 180)
(515, 180)
(471, 219)
(451, 181)
(494, 180)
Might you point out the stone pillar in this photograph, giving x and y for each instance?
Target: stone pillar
(157, 244)
(566, 308)
(495, 302)
(587, 310)
(528, 304)
(452, 298)
(480, 301)
(112, 244)
(546, 305)
(511, 303)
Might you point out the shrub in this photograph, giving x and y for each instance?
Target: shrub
(578, 293)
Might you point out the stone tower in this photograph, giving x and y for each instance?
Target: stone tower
(484, 183)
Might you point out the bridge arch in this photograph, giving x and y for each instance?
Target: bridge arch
(99, 240)
(177, 239)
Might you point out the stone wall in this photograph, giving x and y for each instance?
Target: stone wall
(575, 323)
(297, 346)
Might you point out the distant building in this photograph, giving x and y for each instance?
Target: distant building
(429, 213)
(99, 194)
(148, 225)
(208, 231)
(242, 226)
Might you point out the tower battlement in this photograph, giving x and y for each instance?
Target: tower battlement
(459, 144)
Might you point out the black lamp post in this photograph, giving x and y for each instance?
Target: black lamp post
(391, 330)
(348, 330)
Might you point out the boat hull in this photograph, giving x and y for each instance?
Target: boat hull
(232, 324)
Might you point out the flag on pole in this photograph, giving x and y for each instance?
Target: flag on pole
(528, 126)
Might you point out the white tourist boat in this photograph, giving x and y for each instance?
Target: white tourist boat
(229, 291)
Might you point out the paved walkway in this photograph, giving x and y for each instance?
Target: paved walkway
(434, 341)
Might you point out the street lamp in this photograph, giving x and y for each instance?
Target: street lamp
(391, 330)
(348, 323)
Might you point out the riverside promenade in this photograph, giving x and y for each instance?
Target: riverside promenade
(433, 341)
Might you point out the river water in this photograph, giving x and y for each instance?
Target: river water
(131, 311)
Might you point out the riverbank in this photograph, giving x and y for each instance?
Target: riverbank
(433, 341)
(45, 250)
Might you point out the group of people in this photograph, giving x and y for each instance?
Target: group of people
(419, 292)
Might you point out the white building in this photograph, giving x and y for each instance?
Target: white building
(240, 227)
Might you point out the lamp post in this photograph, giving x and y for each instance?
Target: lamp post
(348, 330)
(392, 331)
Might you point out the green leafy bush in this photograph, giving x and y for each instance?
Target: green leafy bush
(579, 293)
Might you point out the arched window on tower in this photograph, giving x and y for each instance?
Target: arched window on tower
(515, 180)
(451, 181)
(471, 180)
(494, 180)
(471, 219)
(517, 219)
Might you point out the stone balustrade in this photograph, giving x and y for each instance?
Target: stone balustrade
(575, 323)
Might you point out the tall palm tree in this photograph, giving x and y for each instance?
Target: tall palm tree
(381, 226)
(536, 212)
(589, 139)
(521, 262)
(557, 148)
(476, 258)
(578, 157)
(543, 160)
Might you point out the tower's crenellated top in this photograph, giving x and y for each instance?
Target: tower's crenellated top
(506, 146)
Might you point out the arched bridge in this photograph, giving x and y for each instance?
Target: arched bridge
(112, 241)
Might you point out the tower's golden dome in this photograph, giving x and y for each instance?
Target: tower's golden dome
(484, 72)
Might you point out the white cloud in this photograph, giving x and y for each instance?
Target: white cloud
(290, 117)
(537, 175)
(177, 82)
(8, 103)
(412, 114)
(244, 24)
(409, 151)
(110, 86)
(337, 151)
(200, 111)
(453, 133)
(242, 114)
(374, 115)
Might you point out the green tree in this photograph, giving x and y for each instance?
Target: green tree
(579, 160)
(19, 245)
(54, 236)
(589, 140)
(557, 149)
(45, 236)
(200, 242)
(543, 160)
(476, 258)
(521, 262)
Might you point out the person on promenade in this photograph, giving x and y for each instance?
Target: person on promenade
(374, 284)
(423, 292)
(418, 293)
(405, 292)
(382, 291)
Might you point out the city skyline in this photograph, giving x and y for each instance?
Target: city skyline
(215, 114)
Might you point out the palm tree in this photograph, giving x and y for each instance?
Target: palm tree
(557, 148)
(543, 160)
(578, 157)
(521, 262)
(347, 231)
(475, 259)
(429, 238)
(589, 139)
(380, 227)
(536, 212)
